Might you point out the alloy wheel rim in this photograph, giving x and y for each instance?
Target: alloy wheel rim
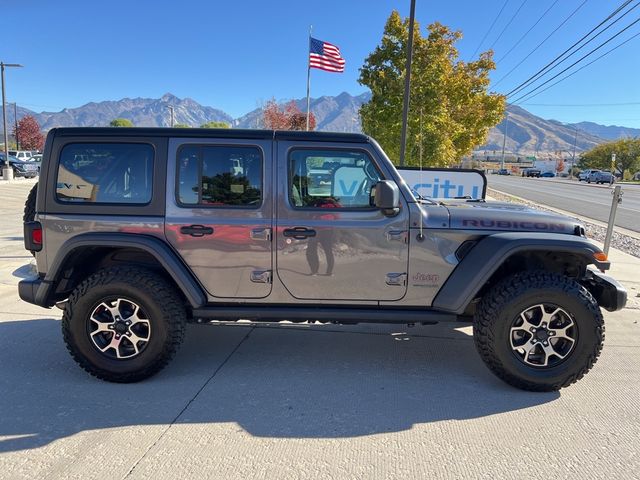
(119, 328)
(543, 335)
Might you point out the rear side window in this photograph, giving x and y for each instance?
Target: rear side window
(105, 173)
(219, 176)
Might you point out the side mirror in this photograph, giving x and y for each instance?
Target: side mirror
(387, 197)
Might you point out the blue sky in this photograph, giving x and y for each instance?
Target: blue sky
(235, 55)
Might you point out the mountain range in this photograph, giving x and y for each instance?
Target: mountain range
(525, 133)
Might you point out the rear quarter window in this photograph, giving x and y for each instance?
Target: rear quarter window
(97, 173)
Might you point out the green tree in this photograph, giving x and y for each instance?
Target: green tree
(627, 151)
(181, 125)
(215, 125)
(451, 110)
(121, 122)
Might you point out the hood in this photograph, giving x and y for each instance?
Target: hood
(508, 217)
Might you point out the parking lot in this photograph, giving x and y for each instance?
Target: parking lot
(285, 401)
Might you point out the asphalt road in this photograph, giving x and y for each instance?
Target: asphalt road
(303, 402)
(591, 201)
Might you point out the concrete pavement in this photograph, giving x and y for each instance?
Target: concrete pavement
(306, 401)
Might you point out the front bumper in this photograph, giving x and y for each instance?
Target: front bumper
(609, 294)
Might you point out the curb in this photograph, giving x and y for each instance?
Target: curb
(623, 231)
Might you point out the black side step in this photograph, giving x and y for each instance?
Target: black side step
(323, 314)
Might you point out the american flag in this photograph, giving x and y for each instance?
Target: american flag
(325, 56)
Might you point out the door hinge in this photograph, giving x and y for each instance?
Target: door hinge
(396, 279)
(261, 234)
(397, 236)
(261, 276)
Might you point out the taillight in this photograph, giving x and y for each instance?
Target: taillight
(33, 236)
(36, 236)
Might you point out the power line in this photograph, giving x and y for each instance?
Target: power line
(508, 23)
(541, 43)
(584, 66)
(555, 60)
(621, 104)
(490, 28)
(527, 32)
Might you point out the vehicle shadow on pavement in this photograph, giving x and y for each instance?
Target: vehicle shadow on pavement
(294, 382)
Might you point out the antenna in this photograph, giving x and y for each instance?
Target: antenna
(421, 234)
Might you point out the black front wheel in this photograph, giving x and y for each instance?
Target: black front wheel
(539, 331)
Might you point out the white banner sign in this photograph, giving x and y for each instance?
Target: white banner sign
(445, 183)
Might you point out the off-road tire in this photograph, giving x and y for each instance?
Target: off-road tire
(30, 208)
(166, 312)
(30, 205)
(505, 301)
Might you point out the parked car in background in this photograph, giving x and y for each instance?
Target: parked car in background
(531, 172)
(548, 174)
(23, 155)
(37, 158)
(584, 174)
(504, 171)
(20, 168)
(601, 177)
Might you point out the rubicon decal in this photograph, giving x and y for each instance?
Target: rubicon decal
(517, 225)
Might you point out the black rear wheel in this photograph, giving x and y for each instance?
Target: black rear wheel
(124, 324)
(539, 331)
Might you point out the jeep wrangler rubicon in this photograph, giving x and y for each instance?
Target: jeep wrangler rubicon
(138, 231)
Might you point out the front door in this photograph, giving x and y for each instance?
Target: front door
(219, 217)
(332, 243)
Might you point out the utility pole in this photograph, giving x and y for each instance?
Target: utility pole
(15, 123)
(504, 139)
(573, 156)
(172, 121)
(407, 84)
(4, 108)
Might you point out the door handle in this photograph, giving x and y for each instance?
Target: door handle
(299, 233)
(196, 230)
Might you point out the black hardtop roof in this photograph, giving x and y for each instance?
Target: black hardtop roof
(209, 133)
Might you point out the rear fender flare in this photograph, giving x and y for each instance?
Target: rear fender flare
(165, 256)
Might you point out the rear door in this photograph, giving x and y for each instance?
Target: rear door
(332, 244)
(219, 213)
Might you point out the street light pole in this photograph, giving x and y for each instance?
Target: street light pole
(172, 121)
(4, 108)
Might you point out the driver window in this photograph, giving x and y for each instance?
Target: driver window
(331, 179)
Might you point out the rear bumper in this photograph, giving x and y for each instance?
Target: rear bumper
(609, 294)
(35, 291)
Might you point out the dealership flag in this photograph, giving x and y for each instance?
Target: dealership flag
(325, 56)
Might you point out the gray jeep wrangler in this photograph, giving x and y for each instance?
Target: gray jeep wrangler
(138, 231)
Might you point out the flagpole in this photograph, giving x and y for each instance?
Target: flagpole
(308, 77)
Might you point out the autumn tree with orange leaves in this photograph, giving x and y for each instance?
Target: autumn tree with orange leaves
(28, 134)
(289, 117)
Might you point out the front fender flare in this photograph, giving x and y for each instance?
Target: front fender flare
(476, 268)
